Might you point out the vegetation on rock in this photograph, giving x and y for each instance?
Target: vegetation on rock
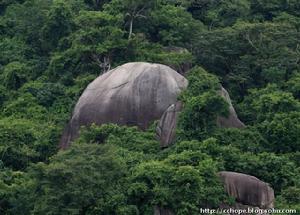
(51, 49)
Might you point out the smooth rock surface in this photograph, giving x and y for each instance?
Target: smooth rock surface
(166, 128)
(248, 190)
(232, 121)
(136, 94)
(131, 94)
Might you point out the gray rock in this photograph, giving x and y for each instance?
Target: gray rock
(232, 121)
(136, 94)
(131, 94)
(162, 211)
(248, 190)
(166, 128)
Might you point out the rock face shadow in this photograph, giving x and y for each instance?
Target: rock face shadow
(136, 94)
(131, 94)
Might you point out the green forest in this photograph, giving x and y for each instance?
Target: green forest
(50, 50)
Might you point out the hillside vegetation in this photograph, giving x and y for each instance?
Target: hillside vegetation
(51, 49)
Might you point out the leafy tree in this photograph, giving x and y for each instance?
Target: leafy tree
(202, 105)
(13, 50)
(293, 85)
(51, 50)
(249, 55)
(169, 26)
(87, 178)
(225, 13)
(262, 104)
(200, 81)
(269, 10)
(3, 95)
(26, 21)
(199, 116)
(57, 25)
(179, 186)
(25, 106)
(140, 49)
(17, 145)
(96, 4)
(126, 137)
(15, 74)
(45, 93)
(131, 10)
(16, 192)
(277, 170)
(247, 140)
(282, 132)
(92, 47)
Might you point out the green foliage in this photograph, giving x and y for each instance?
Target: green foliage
(26, 21)
(23, 142)
(225, 13)
(249, 55)
(200, 81)
(292, 194)
(12, 50)
(15, 74)
(52, 49)
(262, 104)
(199, 116)
(57, 25)
(293, 85)
(202, 105)
(25, 106)
(169, 26)
(248, 139)
(17, 143)
(282, 132)
(127, 137)
(45, 93)
(16, 192)
(183, 182)
(87, 179)
(277, 170)
(91, 48)
(3, 95)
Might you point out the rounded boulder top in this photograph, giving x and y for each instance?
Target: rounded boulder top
(133, 94)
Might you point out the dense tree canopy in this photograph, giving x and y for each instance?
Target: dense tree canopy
(51, 49)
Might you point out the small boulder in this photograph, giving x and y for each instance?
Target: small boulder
(248, 190)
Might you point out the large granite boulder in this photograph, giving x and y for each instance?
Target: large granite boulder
(131, 94)
(136, 94)
(248, 190)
